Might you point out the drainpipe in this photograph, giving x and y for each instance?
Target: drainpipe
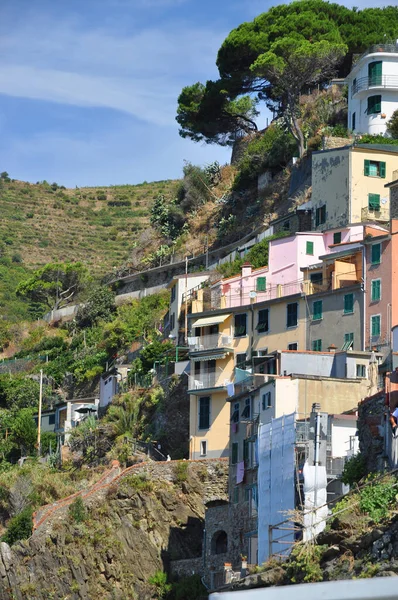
(364, 305)
(251, 336)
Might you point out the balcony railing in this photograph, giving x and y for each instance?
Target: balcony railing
(375, 81)
(383, 214)
(207, 381)
(390, 48)
(209, 342)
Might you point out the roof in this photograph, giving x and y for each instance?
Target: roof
(391, 148)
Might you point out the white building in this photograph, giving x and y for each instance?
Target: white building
(373, 89)
(179, 286)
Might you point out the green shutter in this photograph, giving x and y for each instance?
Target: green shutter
(375, 70)
(376, 290)
(374, 201)
(376, 253)
(337, 238)
(317, 310)
(317, 346)
(245, 451)
(367, 167)
(261, 284)
(310, 248)
(375, 326)
(348, 304)
(382, 169)
(374, 105)
(234, 457)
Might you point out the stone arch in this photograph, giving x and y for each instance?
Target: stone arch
(219, 542)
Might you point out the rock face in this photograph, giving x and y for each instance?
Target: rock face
(133, 527)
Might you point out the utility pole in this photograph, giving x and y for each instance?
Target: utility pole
(39, 418)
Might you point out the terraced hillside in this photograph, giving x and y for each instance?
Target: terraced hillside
(41, 223)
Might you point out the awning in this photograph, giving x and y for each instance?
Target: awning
(207, 357)
(206, 321)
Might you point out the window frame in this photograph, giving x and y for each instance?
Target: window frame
(200, 416)
(349, 307)
(51, 419)
(243, 328)
(372, 258)
(240, 362)
(374, 202)
(374, 105)
(292, 344)
(373, 288)
(290, 326)
(320, 215)
(236, 413)
(362, 368)
(309, 248)
(247, 411)
(317, 345)
(337, 233)
(264, 322)
(317, 315)
(261, 284)
(203, 446)
(173, 293)
(266, 401)
(349, 338)
(372, 321)
(380, 168)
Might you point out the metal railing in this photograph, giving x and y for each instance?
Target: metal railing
(207, 381)
(390, 48)
(209, 342)
(375, 81)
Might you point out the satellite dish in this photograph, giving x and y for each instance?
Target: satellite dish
(252, 294)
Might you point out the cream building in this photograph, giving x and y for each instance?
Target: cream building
(348, 184)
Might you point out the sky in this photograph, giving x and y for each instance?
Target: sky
(89, 88)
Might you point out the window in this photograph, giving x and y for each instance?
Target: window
(354, 86)
(375, 254)
(292, 311)
(361, 371)
(348, 341)
(263, 321)
(337, 237)
(247, 410)
(375, 73)
(266, 400)
(374, 105)
(51, 419)
(316, 278)
(235, 450)
(241, 360)
(213, 330)
(353, 123)
(172, 320)
(240, 325)
(320, 215)
(375, 168)
(286, 226)
(235, 414)
(376, 290)
(204, 412)
(173, 293)
(261, 284)
(317, 345)
(219, 543)
(317, 310)
(203, 448)
(375, 325)
(197, 368)
(236, 495)
(348, 304)
(310, 248)
(374, 201)
(293, 346)
(246, 451)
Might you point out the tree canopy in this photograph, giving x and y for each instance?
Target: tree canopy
(253, 61)
(55, 285)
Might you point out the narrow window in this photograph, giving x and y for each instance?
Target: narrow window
(241, 360)
(361, 371)
(337, 237)
(353, 126)
(374, 202)
(375, 325)
(375, 73)
(235, 414)
(51, 420)
(348, 341)
(292, 314)
(240, 325)
(263, 321)
(261, 284)
(310, 248)
(173, 293)
(374, 105)
(320, 215)
(203, 448)
(293, 346)
(204, 412)
(317, 345)
(375, 254)
(317, 310)
(235, 449)
(247, 410)
(348, 304)
(376, 290)
(266, 400)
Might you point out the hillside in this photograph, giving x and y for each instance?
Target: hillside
(42, 223)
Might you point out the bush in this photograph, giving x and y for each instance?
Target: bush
(392, 125)
(19, 527)
(377, 139)
(159, 580)
(188, 587)
(77, 510)
(354, 470)
(181, 471)
(375, 499)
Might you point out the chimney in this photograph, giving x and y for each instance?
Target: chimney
(332, 348)
(246, 269)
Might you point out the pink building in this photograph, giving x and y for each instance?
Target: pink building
(283, 276)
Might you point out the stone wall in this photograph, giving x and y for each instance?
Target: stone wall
(371, 418)
(187, 567)
(336, 142)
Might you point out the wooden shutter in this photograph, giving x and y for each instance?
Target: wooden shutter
(376, 288)
(367, 167)
(261, 284)
(376, 251)
(374, 201)
(348, 303)
(382, 169)
(317, 310)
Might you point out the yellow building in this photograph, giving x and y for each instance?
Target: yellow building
(227, 346)
(348, 184)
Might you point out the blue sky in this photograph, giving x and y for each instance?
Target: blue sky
(88, 88)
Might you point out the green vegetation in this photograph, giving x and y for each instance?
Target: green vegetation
(181, 471)
(288, 48)
(19, 527)
(159, 581)
(392, 125)
(77, 510)
(304, 565)
(257, 257)
(354, 470)
(377, 498)
(377, 139)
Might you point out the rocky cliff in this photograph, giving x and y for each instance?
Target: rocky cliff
(128, 530)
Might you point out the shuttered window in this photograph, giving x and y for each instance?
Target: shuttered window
(348, 304)
(317, 345)
(374, 201)
(375, 325)
(234, 454)
(263, 321)
(375, 70)
(375, 168)
(337, 237)
(261, 284)
(376, 290)
(240, 325)
(204, 412)
(292, 311)
(374, 105)
(375, 254)
(310, 248)
(317, 310)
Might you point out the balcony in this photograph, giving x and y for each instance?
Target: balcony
(210, 342)
(383, 214)
(388, 48)
(376, 82)
(197, 384)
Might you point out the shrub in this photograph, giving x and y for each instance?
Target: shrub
(181, 471)
(375, 499)
(392, 125)
(159, 581)
(188, 587)
(304, 563)
(354, 470)
(77, 510)
(19, 527)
